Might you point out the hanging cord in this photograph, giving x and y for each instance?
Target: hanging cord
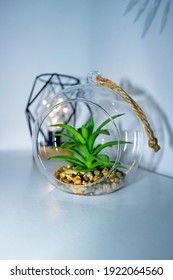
(152, 142)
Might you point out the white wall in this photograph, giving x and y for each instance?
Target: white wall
(37, 36)
(74, 37)
(118, 52)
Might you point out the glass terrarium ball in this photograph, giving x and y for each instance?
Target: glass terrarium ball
(88, 140)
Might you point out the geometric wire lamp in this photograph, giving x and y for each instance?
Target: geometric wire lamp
(44, 89)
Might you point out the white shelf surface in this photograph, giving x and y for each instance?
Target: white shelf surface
(37, 221)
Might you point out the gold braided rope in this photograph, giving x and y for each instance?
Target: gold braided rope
(152, 142)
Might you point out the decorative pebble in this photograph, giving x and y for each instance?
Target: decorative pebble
(80, 182)
(96, 172)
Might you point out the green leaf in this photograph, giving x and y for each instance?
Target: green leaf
(66, 136)
(66, 145)
(72, 130)
(102, 164)
(110, 164)
(85, 132)
(93, 137)
(84, 149)
(108, 120)
(102, 158)
(119, 165)
(90, 125)
(79, 130)
(108, 144)
(78, 168)
(70, 159)
(96, 164)
(76, 153)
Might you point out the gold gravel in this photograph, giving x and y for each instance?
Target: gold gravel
(80, 182)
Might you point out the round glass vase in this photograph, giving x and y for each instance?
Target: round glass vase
(88, 141)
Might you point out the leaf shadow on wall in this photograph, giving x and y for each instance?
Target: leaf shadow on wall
(158, 121)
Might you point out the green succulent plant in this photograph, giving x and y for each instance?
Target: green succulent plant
(87, 156)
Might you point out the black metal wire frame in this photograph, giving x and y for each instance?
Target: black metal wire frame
(29, 115)
(73, 81)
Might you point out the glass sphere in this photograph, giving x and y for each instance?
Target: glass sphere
(88, 141)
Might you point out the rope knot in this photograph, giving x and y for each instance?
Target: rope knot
(153, 143)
